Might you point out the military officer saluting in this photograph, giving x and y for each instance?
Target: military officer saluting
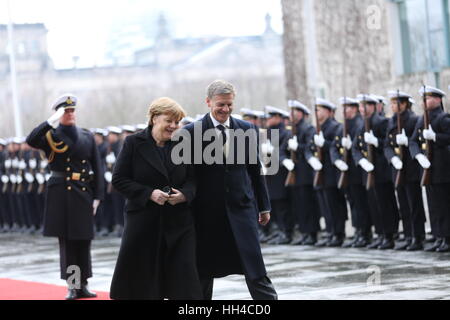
(74, 190)
(430, 147)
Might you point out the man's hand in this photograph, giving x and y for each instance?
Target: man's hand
(159, 197)
(429, 134)
(54, 119)
(347, 142)
(423, 161)
(366, 165)
(402, 139)
(319, 139)
(315, 163)
(176, 197)
(289, 164)
(341, 165)
(293, 144)
(264, 218)
(267, 148)
(95, 206)
(370, 138)
(397, 163)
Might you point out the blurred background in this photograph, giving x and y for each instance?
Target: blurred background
(118, 56)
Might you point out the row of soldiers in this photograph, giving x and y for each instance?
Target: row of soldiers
(24, 172)
(370, 166)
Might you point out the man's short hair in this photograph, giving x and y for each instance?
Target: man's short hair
(220, 87)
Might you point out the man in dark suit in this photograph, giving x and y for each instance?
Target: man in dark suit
(74, 191)
(230, 197)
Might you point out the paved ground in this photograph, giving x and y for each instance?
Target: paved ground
(297, 272)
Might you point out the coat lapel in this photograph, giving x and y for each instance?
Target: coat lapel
(147, 148)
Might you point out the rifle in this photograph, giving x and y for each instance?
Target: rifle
(400, 176)
(370, 175)
(426, 176)
(290, 179)
(343, 178)
(318, 177)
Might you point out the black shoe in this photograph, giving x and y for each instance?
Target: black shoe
(311, 239)
(270, 236)
(350, 244)
(416, 244)
(323, 242)
(103, 232)
(362, 242)
(435, 245)
(388, 243)
(281, 239)
(299, 240)
(85, 293)
(72, 294)
(445, 246)
(336, 241)
(375, 244)
(403, 245)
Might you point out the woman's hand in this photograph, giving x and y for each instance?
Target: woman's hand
(159, 197)
(176, 197)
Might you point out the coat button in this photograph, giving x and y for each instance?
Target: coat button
(84, 189)
(68, 179)
(68, 159)
(69, 188)
(68, 169)
(83, 171)
(84, 161)
(83, 180)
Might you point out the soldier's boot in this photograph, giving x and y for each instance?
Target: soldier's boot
(362, 241)
(376, 243)
(103, 232)
(337, 240)
(85, 293)
(352, 242)
(72, 294)
(283, 238)
(445, 246)
(435, 245)
(299, 240)
(388, 242)
(310, 240)
(323, 242)
(416, 244)
(403, 244)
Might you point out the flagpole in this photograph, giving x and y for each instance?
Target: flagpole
(12, 65)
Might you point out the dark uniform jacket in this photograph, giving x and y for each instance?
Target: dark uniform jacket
(411, 167)
(440, 122)
(359, 149)
(76, 182)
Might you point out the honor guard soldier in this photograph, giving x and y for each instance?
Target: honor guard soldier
(3, 180)
(350, 175)
(429, 145)
(74, 191)
(276, 183)
(405, 170)
(368, 153)
(331, 201)
(301, 164)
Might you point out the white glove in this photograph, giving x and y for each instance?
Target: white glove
(5, 179)
(29, 177)
(366, 165)
(47, 176)
(44, 164)
(32, 163)
(22, 165)
(319, 139)
(19, 179)
(111, 158)
(293, 144)
(54, 119)
(95, 206)
(341, 165)
(371, 139)
(423, 161)
(402, 139)
(397, 163)
(263, 169)
(288, 164)
(429, 134)
(267, 148)
(315, 163)
(8, 164)
(15, 163)
(108, 176)
(347, 142)
(40, 178)
(13, 178)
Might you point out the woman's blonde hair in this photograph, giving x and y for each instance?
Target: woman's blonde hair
(165, 106)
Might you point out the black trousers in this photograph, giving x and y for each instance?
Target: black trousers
(305, 207)
(439, 206)
(359, 204)
(333, 208)
(75, 253)
(260, 289)
(411, 209)
(383, 208)
(281, 214)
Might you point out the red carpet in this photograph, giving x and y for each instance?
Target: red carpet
(25, 290)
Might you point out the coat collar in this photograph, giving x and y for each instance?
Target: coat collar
(147, 148)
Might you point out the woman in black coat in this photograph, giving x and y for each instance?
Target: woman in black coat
(157, 255)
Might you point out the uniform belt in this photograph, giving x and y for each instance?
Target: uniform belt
(73, 176)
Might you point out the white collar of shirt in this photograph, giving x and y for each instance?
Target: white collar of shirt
(217, 123)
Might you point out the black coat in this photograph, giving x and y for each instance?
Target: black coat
(229, 198)
(157, 254)
(411, 167)
(304, 174)
(68, 212)
(382, 170)
(440, 122)
(337, 150)
(276, 183)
